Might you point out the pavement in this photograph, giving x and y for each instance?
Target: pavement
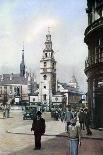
(18, 139)
(55, 141)
(55, 128)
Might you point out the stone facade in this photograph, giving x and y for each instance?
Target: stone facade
(47, 73)
(94, 63)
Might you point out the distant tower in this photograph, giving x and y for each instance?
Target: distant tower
(47, 72)
(22, 65)
(94, 63)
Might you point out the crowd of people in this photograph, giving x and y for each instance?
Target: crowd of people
(82, 115)
(75, 122)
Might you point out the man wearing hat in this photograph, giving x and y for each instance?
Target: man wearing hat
(38, 126)
(74, 134)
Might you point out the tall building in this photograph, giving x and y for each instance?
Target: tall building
(22, 65)
(47, 72)
(94, 63)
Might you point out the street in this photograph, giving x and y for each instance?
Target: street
(17, 139)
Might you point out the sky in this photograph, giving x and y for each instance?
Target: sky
(28, 21)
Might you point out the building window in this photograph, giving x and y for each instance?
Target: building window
(5, 89)
(45, 87)
(45, 77)
(14, 89)
(44, 97)
(56, 99)
(10, 89)
(0, 90)
(33, 99)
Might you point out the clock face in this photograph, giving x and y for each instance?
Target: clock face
(48, 46)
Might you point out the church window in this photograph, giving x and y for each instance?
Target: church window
(45, 87)
(53, 65)
(45, 64)
(45, 77)
(46, 55)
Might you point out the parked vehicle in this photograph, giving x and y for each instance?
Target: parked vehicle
(29, 112)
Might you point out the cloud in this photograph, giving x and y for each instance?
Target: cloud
(35, 28)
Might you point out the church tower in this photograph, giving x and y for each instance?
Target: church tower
(47, 73)
(22, 64)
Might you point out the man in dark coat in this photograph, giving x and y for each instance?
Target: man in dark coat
(81, 117)
(38, 126)
(87, 121)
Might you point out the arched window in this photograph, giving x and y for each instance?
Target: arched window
(45, 64)
(44, 97)
(46, 55)
(45, 77)
(53, 65)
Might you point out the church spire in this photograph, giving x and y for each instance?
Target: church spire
(23, 53)
(22, 65)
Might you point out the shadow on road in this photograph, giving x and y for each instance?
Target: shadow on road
(55, 146)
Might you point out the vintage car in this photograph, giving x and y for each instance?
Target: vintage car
(29, 112)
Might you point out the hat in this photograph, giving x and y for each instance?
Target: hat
(38, 113)
(73, 120)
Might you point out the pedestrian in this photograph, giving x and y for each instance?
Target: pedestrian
(87, 121)
(62, 116)
(8, 110)
(68, 117)
(81, 117)
(74, 135)
(38, 126)
(56, 115)
(3, 108)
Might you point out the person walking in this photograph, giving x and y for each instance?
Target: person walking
(3, 108)
(68, 117)
(81, 117)
(74, 135)
(38, 126)
(87, 121)
(8, 110)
